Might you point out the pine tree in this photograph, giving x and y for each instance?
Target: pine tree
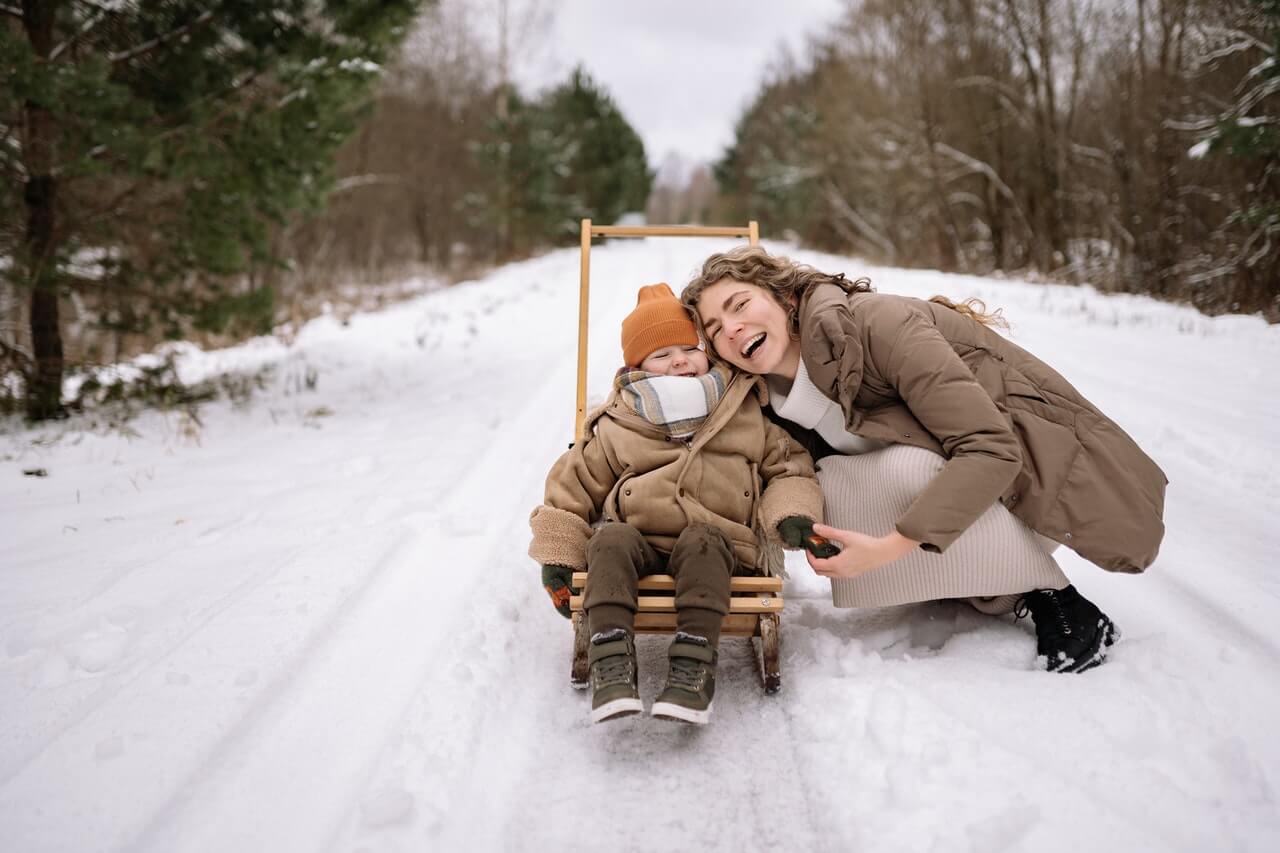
(607, 171)
(551, 162)
(149, 148)
(523, 200)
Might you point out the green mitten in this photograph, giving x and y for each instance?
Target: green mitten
(556, 580)
(797, 532)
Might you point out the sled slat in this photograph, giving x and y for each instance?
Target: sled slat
(667, 603)
(667, 582)
(734, 625)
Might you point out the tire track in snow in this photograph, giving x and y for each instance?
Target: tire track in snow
(445, 726)
(103, 696)
(277, 741)
(305, 739)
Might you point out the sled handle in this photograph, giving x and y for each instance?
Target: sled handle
(751, 231)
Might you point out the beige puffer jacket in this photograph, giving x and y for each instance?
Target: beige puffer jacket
(1012, 429)
(739, 472)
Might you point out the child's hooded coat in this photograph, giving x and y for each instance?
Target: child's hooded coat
(739, 473)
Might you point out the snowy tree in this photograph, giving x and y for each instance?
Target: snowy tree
(608, 174)
(1247, 130)
(1044, 134)
(554, 160)
(148, 150)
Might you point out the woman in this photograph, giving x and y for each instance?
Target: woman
(955, 460)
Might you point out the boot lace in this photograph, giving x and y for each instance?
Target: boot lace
(686, 674)
(1048, 613)
(615, 669)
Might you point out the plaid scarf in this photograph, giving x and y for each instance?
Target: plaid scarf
(676, 404)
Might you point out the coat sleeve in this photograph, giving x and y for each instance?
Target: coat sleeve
(983, 454)
(576, 488)
(790, 485)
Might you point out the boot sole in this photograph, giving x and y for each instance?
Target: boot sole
(1108, 634)
(624, 707)
(681, 714)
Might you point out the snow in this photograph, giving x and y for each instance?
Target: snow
(307, 622)
(365, 65)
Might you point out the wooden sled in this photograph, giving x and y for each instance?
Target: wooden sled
(755, 602)
(754, 607)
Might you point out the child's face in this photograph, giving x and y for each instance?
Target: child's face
(676, 361)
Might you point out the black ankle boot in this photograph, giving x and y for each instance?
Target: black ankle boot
(1072, 634)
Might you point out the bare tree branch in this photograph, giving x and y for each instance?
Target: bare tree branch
(352, 182)
(24, 360)
(1242, 38)
(1091, 153)
(1237, 47)
(1193, 125)
(1010, 97)
(973, 165)
(11, 11)
(1263, 90)
(842, 207)
(1269, 227)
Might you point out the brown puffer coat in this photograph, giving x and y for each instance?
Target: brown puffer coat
(1012, 429)
(740, 473)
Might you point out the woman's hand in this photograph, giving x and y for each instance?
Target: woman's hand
(859, 553)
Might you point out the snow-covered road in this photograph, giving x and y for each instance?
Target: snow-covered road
(308, 622)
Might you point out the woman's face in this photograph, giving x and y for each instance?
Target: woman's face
(748, 328)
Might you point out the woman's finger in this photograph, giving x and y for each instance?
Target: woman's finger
(833, 533)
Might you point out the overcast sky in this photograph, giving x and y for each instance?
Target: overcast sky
(682, 71)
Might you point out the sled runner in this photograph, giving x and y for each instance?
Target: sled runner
(756, 602)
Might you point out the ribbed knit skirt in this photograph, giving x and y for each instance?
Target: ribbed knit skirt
(991, 563)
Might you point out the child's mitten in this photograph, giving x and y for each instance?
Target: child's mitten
(556, 580)
(797, 532)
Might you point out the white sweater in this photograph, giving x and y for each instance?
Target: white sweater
(804, 404)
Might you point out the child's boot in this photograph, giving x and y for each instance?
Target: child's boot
(691, 681)
(612, 656)
(1072, 634)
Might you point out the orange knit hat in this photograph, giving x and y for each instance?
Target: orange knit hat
(658, 321)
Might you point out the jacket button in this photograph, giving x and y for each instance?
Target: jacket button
(746, 494)
(906, 435)
(1013, 499)
(628, 491)
(1068, 536)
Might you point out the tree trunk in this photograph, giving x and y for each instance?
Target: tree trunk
(44, 384)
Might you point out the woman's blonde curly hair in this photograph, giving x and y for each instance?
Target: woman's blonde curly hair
(788, 281)
(784, 279)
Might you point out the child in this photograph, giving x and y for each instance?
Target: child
(678, 471)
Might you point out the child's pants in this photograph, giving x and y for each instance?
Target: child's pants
(701, 561)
